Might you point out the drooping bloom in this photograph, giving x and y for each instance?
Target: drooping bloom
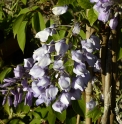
(113, 23)
(44, 61)
(19, 71)
(77, 56)
(61, 47)
(97, 65)
(28, 63)
(58, 65)
(59, 106)
(59, 10)
(64, 83)
(79, 68)
(36, 71)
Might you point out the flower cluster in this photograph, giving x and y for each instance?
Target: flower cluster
(103, 7)
(44, 76)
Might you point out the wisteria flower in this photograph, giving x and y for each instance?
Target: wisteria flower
(36, 71)
(64, 83)
(59, 10)
(44, 61)
(28, 63)
(75, 94)
(59, 106)
(113, 23)
(79, 83)
(43, 35)
(61, 47)
(19, 71)
(43, 82)
(40, 52)
(97, 65)
(51, 92)
(79, 68)
(58, 65)
(77, 56)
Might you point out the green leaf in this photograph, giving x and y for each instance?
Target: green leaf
(51, 117)
(4, 73)
(36, 115)
(24, 1)
(24, 11)
(7, 109)
(35, 121)
(95, 114)
(85, 4)
(71, 120)
(62, 33)
(65, 2)
(38, 22)
(92, 17)
(119, 56)
(43, 111)
(42, 21)
(17, 23)
(22, 108)
(16, 121)
(82, 34)
(21, 35)
(61, 116)
(79, 107)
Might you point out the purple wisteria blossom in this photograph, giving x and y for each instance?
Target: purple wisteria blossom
(59, 106)
(59, 10)
(77, 56)
(76, 29)
(44, 34)
(64, 83)
(36, 71)
(113, 23)
(19, 71)
(58, 65)
(28, 63)
(61, 47)
(91, 104)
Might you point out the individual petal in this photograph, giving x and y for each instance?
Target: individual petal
(43, 35)
(36, 71)
(104, 15)
(28, 63)
(87, 45)
(4, 100)
(51, 47)
(59, 10)
(40, 52)
(10, 101)
(76, 29)
(44, 61)
(77, 56)
(79, 83)
(19, 71)
(64, 83)
(90, 59)
(35, 88)
(51, 92)
(43, 82)
(79, 68)
(58, 65)
(65, 98)
(28, 98)
(61, 47)
(113, 23)
(39, 101)
(59, 106)
(92, 1)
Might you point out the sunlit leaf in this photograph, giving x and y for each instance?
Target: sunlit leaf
(21, 35)
(24, 1)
